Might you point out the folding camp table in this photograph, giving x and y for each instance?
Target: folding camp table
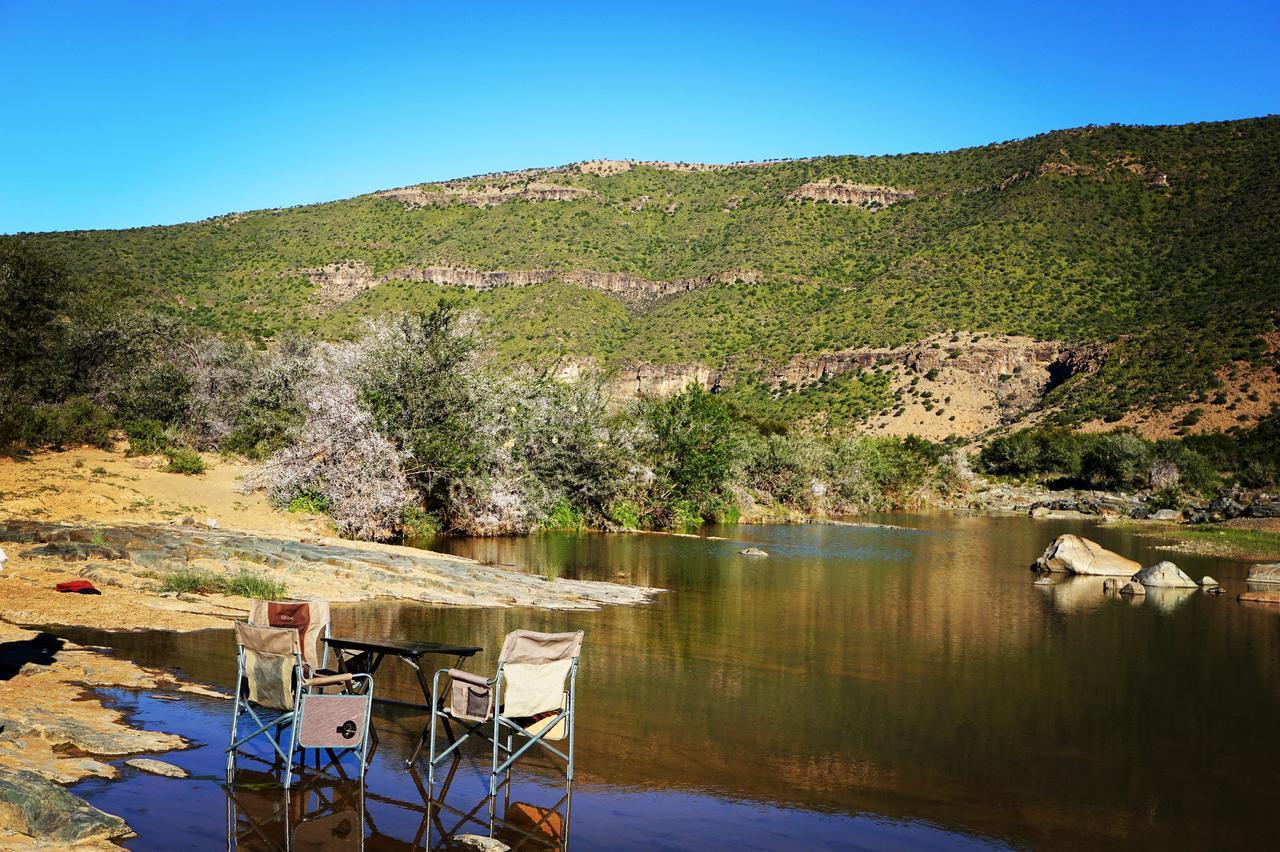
(364, 656)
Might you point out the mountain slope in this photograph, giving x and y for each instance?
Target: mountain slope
(1148, 254)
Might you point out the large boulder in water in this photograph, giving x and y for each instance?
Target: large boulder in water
(1077, 555)
(1266, 573)
(1164, 575)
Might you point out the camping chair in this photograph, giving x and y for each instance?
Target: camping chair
(309, 618)
(527, 697)
(273, 678)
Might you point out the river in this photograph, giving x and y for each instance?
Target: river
(902, 686)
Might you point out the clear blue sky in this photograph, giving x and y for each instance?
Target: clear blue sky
(120, 114)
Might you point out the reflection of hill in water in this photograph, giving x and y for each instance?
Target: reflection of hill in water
(915, 674)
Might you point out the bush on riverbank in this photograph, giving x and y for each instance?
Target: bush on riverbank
(1119, 460)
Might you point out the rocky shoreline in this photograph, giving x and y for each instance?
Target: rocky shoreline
(55, 731)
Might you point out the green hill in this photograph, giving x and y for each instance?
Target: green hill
(1162, 243)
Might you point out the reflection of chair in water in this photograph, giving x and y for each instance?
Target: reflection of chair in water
(273, 679)
(531, 696)
(520, 825)
(318, 814)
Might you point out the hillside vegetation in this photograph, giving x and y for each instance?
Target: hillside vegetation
(1159, 242)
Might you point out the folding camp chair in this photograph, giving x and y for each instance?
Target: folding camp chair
(309, 618)
(527, 697)
(275, 681)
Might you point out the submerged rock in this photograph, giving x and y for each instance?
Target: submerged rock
(479, 841)
(1133, 588)
(157, 767)
(1076, 555)
(1111, 584)
(1207, 583)
(1164, 575)
(752, 551)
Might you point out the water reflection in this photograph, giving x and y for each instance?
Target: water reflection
(326, 810)
(915, 674)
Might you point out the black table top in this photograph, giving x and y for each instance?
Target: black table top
(412, 650)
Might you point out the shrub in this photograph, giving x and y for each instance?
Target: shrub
(339, 457)
(563, 516)
(185, 461)
(415, 524)
(691, 447)
(310, 503)
(146, 437)
(625, 514)
(75, 422)
(1117, 460)
(415, 378)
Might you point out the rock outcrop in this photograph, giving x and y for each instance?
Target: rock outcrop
(44, 814)
(861, 195)
(1075, 555)
(995, 379)
(341, 281)
(1164, 575)
(658, 380)
(314, 568)
(481, 195)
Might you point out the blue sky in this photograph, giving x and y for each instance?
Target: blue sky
(118, 115)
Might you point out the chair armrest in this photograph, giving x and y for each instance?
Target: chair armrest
(328, 680)
(468, 677)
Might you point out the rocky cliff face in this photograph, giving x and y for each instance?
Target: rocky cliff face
(483, 195)
(343, 280)
(613, 167)
(861, 195)
(947, 384)
(662, 380)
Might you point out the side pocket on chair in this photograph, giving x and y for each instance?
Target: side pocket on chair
(466, 699)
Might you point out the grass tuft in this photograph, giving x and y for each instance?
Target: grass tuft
(245, 583)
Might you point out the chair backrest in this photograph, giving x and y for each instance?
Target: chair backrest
(534, 668)
(271, 656)
(309, 618)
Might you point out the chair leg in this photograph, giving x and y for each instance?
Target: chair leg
(497, 734)
(431, 746)
(293, 745)
(231, 750)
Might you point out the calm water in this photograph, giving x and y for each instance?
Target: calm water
(861, 688)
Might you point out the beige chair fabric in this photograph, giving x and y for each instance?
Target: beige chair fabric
(527, 646)
(270, 657)
(309, 618)
(534, 669)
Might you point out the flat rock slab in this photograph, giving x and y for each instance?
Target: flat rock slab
(332, 569)
(157, 767)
